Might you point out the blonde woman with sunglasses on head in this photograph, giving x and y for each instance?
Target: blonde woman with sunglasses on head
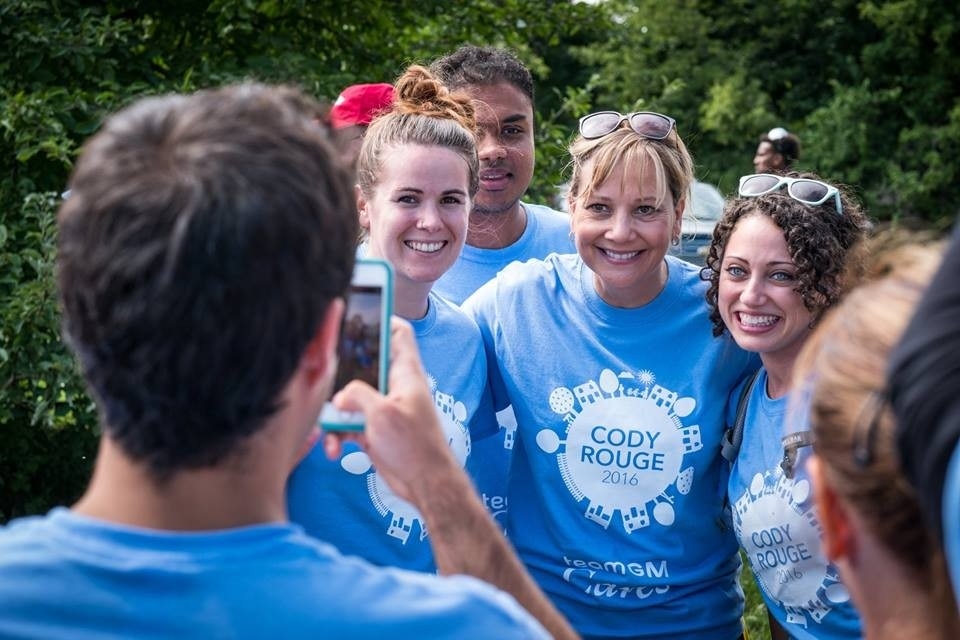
(873, 527)
(619, 390)
(775, 266)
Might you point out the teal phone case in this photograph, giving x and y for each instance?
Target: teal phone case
(331, 419)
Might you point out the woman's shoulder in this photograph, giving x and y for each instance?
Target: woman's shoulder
(451, 315)
(522, 284)
(537, 270)
(686, 274)
(548, 277)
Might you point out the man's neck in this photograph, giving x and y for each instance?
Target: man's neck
(496, 230)
(221, 497)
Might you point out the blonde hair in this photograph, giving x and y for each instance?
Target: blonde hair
(845, 360)
(669, 158)
(424, 112)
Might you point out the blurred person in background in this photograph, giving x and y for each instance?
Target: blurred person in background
(777, 151)
(353, 111)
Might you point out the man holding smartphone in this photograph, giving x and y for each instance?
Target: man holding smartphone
(203, 256)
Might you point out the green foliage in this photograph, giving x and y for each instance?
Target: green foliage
(755, 618)
(47, 422)
(871, 88)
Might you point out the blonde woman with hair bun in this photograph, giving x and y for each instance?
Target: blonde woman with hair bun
(417, 175)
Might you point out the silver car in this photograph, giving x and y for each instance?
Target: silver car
(699, 219)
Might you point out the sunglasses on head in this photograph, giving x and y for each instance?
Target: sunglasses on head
(811, 192)
(648, 124)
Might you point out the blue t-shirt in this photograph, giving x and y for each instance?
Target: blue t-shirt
(547, 231)
(345, 502)
(777, 526)
(616, 487)
(951, 520)
(68, 576)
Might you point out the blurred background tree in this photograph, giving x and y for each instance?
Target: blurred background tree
(870, 87)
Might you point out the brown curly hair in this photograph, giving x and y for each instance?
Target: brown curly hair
(818, 239)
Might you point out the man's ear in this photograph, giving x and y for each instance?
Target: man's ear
(837, 530)
(320, 357)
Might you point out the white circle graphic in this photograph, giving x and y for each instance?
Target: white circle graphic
(624, 451)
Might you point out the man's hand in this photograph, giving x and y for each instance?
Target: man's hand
(403, 437)
(402, 433)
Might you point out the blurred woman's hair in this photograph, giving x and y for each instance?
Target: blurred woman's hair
(845, 361)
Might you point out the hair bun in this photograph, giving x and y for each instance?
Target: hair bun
(418, 92)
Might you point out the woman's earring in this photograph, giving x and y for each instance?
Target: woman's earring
(676, 241)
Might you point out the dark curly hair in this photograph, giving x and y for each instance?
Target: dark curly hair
(472, 65)
(819, 241)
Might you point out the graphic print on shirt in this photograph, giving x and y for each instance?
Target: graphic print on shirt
(507, 420)
(777, 525)
(403, 515)
(624, 447)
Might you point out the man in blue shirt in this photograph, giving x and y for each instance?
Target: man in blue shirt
(203, 257)
(502, 228)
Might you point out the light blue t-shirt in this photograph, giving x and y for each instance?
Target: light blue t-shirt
(345, 502)
(777, 526)
(616, 487)
(68, 576)
(951, 520)
(547, 231)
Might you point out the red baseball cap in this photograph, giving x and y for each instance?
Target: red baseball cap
(360, 104)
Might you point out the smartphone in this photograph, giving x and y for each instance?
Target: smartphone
(364, 349)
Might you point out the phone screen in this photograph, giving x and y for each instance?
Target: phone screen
(360, 346)
(364, 348)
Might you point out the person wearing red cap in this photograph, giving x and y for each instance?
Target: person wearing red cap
(354, 110)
